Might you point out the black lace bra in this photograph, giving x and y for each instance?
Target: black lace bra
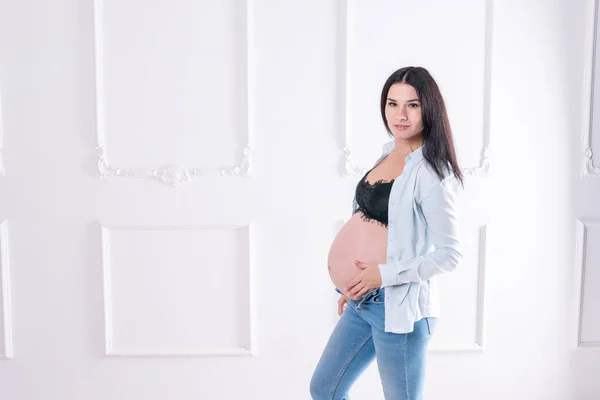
(372, 199)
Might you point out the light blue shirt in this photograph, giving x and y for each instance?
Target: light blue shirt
(423, 241)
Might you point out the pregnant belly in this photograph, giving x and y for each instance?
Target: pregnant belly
(357, 240)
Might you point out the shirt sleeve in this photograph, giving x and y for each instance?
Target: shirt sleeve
(438, 206)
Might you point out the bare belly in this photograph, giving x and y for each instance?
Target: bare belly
(357, 240)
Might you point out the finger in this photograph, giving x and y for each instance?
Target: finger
(341, 304)
(361, 293)
(355, 281)
(353, 290)
(357, 290)
(364, 291)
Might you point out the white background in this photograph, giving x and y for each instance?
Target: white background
(126, 286)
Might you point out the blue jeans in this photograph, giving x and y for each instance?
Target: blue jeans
(358, 339)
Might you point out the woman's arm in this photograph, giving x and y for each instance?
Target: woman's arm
(439, 209)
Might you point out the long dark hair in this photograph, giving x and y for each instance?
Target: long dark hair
(438, 145)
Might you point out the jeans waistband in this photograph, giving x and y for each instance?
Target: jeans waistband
(369, 296)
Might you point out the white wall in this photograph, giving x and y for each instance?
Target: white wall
(586, 327)
(216, 288)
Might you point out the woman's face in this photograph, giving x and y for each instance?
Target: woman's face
(403, 111)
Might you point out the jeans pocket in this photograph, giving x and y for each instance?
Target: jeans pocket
(431, 324)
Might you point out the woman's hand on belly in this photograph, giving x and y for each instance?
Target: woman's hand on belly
(357, 240)
(365, 281)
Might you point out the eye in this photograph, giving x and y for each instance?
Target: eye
(392, 104)
(413, 105)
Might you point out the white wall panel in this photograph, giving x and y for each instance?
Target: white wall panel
(462, 296)
(177, 291)
(169, 84)
(459, 60)
(587, 275)
(2, 171)
(172, 88)
(591, 86)
(6, 350)
(588, 282)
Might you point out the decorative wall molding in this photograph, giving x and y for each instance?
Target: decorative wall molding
(478, 344)
(171, 174)
(484, 165)
(7, 350)
(241, 170)
(350, 168)
(580, 273)
(589, 169)
(249, 350)
(482, 169)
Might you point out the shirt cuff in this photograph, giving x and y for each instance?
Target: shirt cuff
(389, 275)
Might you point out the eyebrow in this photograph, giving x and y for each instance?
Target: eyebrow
(408, 101)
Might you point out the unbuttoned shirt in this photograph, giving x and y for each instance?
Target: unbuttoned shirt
(423, 241)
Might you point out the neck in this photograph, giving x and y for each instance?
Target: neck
(407, 146)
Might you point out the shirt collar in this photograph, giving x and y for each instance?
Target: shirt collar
(412, 157)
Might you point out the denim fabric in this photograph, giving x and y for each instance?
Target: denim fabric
(358, 339)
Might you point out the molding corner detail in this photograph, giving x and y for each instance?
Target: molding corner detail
(484, 165)
(240, 170)
(589, 168)
(350, 168)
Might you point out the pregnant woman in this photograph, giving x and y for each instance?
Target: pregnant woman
(402, 233)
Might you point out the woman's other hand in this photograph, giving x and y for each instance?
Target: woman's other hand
(342, 303)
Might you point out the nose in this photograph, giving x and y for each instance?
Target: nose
(401, 114)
